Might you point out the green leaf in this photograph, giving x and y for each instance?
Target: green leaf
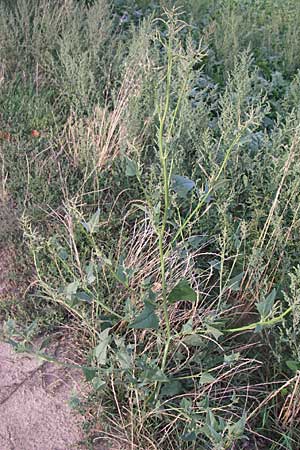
(174, 387)
(229, 359)
(207, 378)
(196, 241)
(121, 274)
(100, 351)
(62, 253)
(71, 289)
(237, 428)
(293, 365)
(182, 185)
(123, 358)
(189, 436)
(186, 404)
(264, 307)
(92, 225)
(214, 331)
(88, 373)
(182, 291)
(211, 421)
(193, 340)
(234, 283)
(188, 326)
(89, 270)
(155, 374)
(146, 319)
(131, 168)
(83, 297)
(98, 383)
(74, 402)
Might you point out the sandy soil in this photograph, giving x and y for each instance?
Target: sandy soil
(34, 410)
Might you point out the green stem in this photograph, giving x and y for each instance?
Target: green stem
(262, 323)
(163, 154)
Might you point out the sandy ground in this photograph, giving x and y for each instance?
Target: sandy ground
(34, 410)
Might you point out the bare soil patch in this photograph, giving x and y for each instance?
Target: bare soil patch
(34, 409)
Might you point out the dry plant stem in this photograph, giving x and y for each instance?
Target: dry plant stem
(272, 395)
(262, 237)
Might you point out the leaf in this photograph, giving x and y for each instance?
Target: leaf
(186, 404)
(188, 326)
(89, 270)
(155, 374)
(264, 307)
(88, 373)
(293, 365)
(182, 291)
(71, 289)
(237, 428)
(182, 185)
(93, 223)
(62, 253)
(211, 421)
(98, 383)
(100, 351)
(83, 297)
(214, 331)
(121, 274)
(74, 402)
(193, 340)
(196, 241)
(207, 378)
(124, 359)
(189, 436)
(172, 388)
(234, 283)
(146, 319)
(259, 327)
(229, 359)
(131, 168)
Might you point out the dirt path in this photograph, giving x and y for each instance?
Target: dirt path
(34, 410)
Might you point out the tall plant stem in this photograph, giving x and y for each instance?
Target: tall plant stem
(163, 155)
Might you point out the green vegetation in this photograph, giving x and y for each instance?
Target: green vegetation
(153, 153)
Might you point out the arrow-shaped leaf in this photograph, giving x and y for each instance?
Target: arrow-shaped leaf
(93, 223)
(146, 319)
(100, 351)
(182, 291)
(182, 185)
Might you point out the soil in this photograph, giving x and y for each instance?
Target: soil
(34, 409)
